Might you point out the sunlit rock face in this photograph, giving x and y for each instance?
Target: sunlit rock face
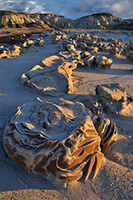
(99, 62)
(99, 20)
(114, 98)
(7, 53)
(107, 130)
(46, 77)
(10, 19)
(58, 140)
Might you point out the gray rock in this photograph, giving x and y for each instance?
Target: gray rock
(114, 98)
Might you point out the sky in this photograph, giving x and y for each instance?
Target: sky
(71, 8)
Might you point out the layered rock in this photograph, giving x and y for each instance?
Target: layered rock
(114, 98)
(57, 140)
(18, 20)
(107, 130)
(102, 21)
(50, 77)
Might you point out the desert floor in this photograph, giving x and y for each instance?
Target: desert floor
(116, 173)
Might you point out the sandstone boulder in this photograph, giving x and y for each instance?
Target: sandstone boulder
(99, 62)
(39, 42)
(115, 51)
(114, 98)
(129, 54)
(90, 61)
(129, 51)
(103, 62)
(104, 47)
(7, 53)
(56, 139)
(50, 77)
(92, 49)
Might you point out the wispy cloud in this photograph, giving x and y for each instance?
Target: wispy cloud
(29, 6)
(70, 8)
(120, 8)
(123, 8)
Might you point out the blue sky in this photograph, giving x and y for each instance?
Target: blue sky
(70, 8)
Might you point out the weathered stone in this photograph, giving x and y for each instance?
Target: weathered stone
(103, 62)
(56, 139)
(106, 129)
(7, 53)
(104, 47)
(114, 98)
(115, 51)
(46, 77)
(85, 54)
(83, 46)
(45, 21)
(92, 49)
(129, 54)
(39, 42)
(99, 62)
(129, 51)
(89, 61)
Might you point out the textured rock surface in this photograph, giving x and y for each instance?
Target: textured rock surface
(114, 98)
(114, 178)
(13, 51)
(102, 20)
(57, 140)
(18, 20)
(107, 131)
(129, 51)
(115, 51)
(99, 62)
(21, 47)
(50, 77)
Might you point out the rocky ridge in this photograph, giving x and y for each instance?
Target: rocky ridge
(100, 21)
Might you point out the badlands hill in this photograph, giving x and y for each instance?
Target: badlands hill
(98, 21)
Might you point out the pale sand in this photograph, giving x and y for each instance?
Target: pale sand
(116, 174)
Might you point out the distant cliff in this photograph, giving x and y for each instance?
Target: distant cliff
(100, 21)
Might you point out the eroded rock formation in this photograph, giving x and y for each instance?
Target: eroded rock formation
(101, 21)
(50, 77)
(57, 139)
(99, 62)
(114, 98)
(129, 51)
(7, 53)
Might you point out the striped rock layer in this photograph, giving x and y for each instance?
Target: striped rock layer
(59, 140)
(107, 131)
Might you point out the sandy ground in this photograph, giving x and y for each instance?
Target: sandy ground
(11, 31)
(114, 180)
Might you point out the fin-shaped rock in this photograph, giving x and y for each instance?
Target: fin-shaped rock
(106, 129)
(57, 140)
